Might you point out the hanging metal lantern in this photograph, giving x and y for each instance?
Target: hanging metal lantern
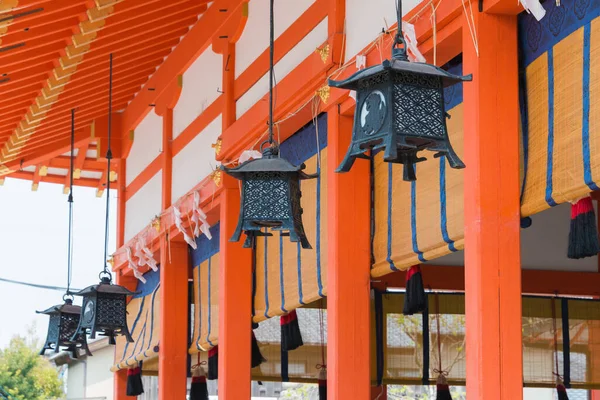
(64, 319)
(400, 109)
(270, 197)
(104, 310)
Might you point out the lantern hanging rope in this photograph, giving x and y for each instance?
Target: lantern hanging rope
(104, 308)
(65, 318)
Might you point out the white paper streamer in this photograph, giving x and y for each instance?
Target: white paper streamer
(133, 266)
(410, 37)
(179, 224)
(535, 8)
(249, 155)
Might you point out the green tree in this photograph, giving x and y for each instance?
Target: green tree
(24, 374)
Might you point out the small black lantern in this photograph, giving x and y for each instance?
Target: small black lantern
(400, 109)
(270, 197)
(104, 311)
(64, 319)
(270, 185)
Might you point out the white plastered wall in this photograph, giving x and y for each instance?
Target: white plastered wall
(147, 145)
(195, 161)
(367, 18)
(201, 83)
(91, 378)
(255, 38)
(144, 205)
(291, 60)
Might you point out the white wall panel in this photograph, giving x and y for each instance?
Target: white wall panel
(200, 84)
(255, 38)
(196, 161)
(367, 18)
(147, 144)
(286, 65)
(144, 205)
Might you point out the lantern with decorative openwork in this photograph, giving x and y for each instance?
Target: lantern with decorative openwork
(64, 319)
(270, 197)
(104, 311)
(400, 109)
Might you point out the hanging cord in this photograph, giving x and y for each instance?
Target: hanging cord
(271, 67)
(67, 294)
(555, 337)
(471, 23)
(323, 364)
(105, 272)
(439, 369)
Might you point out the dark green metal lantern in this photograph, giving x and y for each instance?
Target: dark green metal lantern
(400, 109)
(270, 197)
(104, 311)
(64, 319)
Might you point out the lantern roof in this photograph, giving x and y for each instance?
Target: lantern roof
(400, 66)
(270, 162)
(66, 308)
(104, 287)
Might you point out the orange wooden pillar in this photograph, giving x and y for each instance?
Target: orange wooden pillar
(235, 301)
(120, 385)
(348, 261)
(491, 192)
(172, 363)
(167, 157)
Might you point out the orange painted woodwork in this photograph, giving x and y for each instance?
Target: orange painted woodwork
(121, 202)
(349, 268)
(235, 301)
(167, 158)
(120, 385)
(172, 363)
(201, 121)
(139, 181)
(295, 89)
(194, 43)
(283, 44)
(492, 211)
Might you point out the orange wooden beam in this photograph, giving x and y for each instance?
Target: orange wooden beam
(194, 43)
(172, 360)
(235, 301)
(78, 163)
(537, 282)
(55, 179)
(492, 210)
(348, 273)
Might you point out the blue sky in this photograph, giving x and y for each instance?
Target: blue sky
(33, 248)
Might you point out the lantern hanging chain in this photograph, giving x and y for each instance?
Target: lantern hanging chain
(555, 337)
(108, 158)
(70, 201)
(271, 66)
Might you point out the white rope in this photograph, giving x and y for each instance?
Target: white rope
(471, 24)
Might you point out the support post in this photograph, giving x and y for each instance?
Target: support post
(235, 301)
(348, 260)
(492, 209)
(120, 385)
(172, 364)
(167, 158)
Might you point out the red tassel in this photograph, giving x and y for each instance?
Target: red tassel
(414, 300)
(199, 388)
(561, 390)
(583, 235)
(291, 337)
(213, 363)
(135, 387)
(323, 384)
(443, 390)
